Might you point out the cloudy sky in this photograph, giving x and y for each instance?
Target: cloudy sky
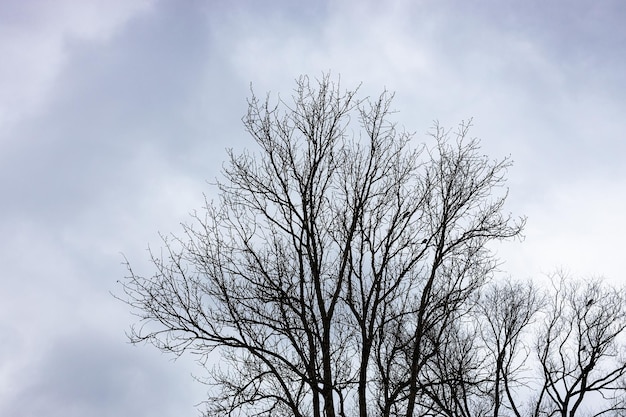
(114, 113)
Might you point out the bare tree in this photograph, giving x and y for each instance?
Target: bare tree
(582, 350)
(335, 273)
(506, 311)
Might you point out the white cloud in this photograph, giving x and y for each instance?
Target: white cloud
(577, 226)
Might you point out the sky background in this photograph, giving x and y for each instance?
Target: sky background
(113, 114)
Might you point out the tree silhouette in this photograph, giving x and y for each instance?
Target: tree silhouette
(342, 270)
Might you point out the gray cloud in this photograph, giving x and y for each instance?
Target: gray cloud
(89, 374)
(117, 115)
(109, 103)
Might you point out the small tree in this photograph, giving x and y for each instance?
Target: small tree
(579, 363)
(335, 274)
(582, 350)
(506, 310)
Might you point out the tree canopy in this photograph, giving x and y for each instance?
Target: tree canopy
(346, 271)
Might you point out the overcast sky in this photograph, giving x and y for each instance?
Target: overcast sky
(114, 113)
